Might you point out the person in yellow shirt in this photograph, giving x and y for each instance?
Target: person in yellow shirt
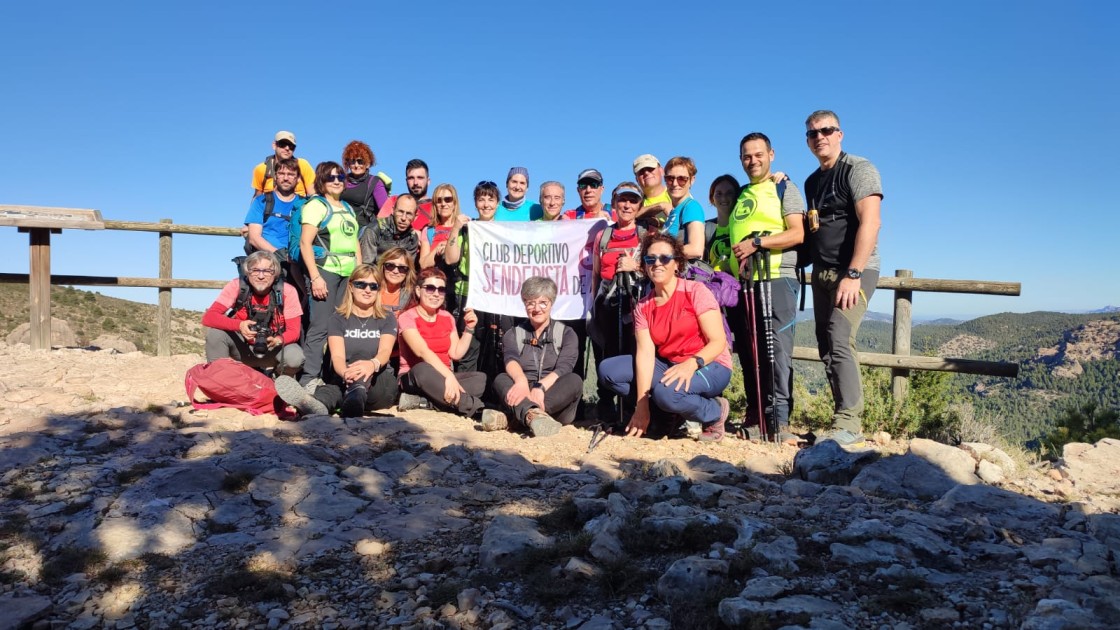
(651, 177)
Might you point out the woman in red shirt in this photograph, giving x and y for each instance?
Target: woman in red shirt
(429, 342)
(682, 362)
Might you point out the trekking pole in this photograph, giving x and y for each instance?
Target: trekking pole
(752, 327)
(620, 284)
(767, 299)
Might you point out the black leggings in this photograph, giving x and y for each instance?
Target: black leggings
(426, 381)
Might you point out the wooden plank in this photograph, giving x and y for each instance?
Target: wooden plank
(935, 364)
(933, 285)
(140, 226)
(41, 216)
(900, 346)
(163, 319)
(114, 281)
(40, 285)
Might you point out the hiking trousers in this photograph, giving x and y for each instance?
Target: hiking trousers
(227, 343)
(316, 337)
(560, 401)
(836, 343)
(697, 404)
(424, 380)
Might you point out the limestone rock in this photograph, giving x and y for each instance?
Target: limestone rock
(904, 476)
(62, 336)
(21, 611)
(1093, 469)
(507, 536)
(828, 463)
(114, 343)
(953, 462)
(1001, 507)
(691, 577)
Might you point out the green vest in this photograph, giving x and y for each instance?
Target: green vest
(758, 209)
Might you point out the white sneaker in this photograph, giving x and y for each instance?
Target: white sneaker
(290, 391)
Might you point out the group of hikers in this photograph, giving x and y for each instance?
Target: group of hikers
(355, 298)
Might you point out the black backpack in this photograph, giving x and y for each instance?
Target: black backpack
(273, 314)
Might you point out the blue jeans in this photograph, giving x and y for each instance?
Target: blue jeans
(698, 404)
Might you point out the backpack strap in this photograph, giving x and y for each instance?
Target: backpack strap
(605, 238)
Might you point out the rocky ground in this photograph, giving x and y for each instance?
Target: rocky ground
(121, 508)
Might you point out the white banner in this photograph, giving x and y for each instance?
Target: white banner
(504, 254)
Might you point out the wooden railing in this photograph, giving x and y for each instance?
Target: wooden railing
(902, 283)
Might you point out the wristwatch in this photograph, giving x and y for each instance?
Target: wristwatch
(699, 362)
(757, 242)
(854, 274)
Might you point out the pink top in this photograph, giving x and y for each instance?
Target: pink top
(675, 325)
(436, 334)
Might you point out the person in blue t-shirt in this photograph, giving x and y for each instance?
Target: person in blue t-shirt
(686, 219)
(515, 206)
(271, 233)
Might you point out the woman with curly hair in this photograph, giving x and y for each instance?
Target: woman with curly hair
(682, 363)
(365, 192)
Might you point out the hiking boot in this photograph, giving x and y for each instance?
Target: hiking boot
(408, 402)
(541, 424)
(494, 420)
(312, 385)
(290, 391)
(354, 404)
(714, 431)
(843, 437)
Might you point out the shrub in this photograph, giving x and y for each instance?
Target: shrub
(1085, 423)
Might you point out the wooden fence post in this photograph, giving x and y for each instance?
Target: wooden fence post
(903, 304)
(40, 289)
(163, 334)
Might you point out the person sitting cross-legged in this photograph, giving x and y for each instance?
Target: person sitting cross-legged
(429, 343)
(539, 387)
(259, 305)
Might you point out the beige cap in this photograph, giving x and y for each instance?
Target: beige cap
(286, 135)
(645, 161)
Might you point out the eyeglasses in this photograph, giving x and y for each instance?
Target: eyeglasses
(393, 267)
(444, 199)
(823, 131)
(646, 171)
(664, 259)
(486, 184)
(335, 177)
(357, 161)
(681, 180)
(432, 289)
(362, 285)
(284, 144)
(263, 272)
(541, 304)
(592, 185)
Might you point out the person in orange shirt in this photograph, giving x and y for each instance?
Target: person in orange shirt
(284, 147)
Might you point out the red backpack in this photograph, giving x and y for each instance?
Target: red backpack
(229, 383)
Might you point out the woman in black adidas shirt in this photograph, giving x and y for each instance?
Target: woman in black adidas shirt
(361, 335)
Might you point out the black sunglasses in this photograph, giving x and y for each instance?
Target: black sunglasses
(362, 285)
(664, 259)
(358, 161)
(823, 131)
(432, 289)
(395, 267)
(336, 177)
(284, 144)
(585, 185)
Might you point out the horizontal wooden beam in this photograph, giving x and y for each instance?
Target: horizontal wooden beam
(934, 285)
(113, 281)
(935, 364)
(141, 226)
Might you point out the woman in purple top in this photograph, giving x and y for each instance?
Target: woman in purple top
(364, 191)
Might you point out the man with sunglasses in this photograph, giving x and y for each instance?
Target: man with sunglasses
(589, 184)
(283, 146)
(846, 193)
(416, 178)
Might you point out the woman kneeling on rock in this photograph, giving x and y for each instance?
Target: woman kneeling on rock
(682, 362)
(540, 355)
(429, 343)
(361, 335)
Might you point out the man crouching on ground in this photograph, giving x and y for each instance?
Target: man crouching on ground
(256, 318)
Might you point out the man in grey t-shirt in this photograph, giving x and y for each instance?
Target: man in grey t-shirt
(846, 192)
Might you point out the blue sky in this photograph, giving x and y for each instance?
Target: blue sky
(991, 122)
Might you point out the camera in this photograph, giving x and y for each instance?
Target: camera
(260, 342)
